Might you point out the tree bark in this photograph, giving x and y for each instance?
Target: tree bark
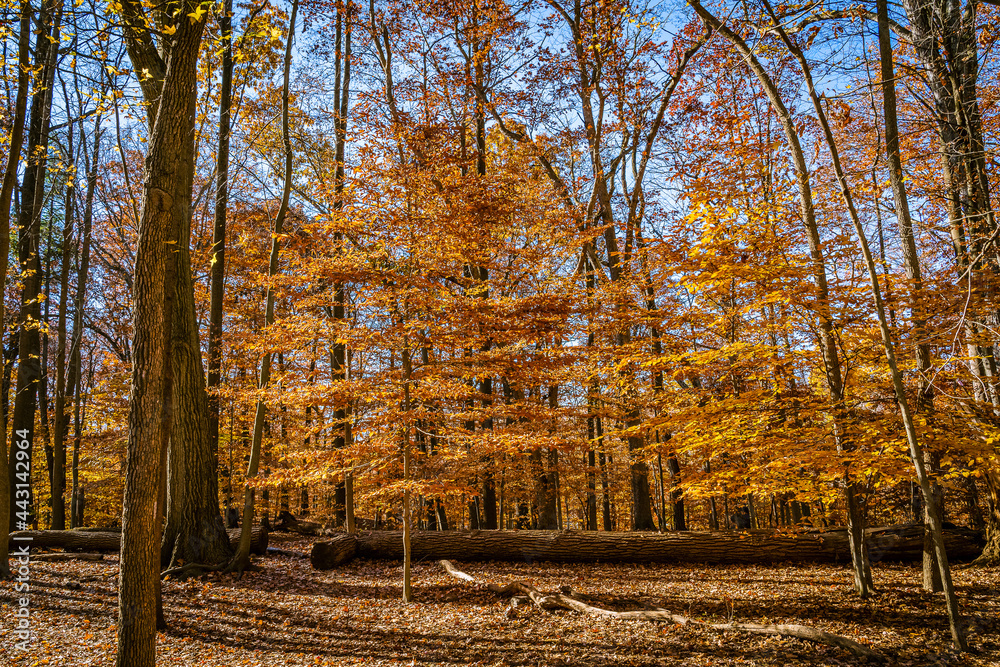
(218, 268)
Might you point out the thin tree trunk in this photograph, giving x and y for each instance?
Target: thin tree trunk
(911, 263)
(75, 374)
(218, 269)
(58, 439)
(6, 192)
(242, 558)
(338, 355)
(29, 226)
(827, 337)
(405, 446)
(916, 450)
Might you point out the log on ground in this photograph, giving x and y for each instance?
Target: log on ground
(892, 543)
(258, 539)
(91, 541)
(64, 556)
(289, 523)
(331, 553)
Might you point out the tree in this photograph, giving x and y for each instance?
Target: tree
(166, 199)
(29, 235)
(6, 191)
(242, 557)
(834, 378)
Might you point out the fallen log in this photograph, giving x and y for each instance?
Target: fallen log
(564, 601)
(63, 556)
(258, 539)
(892, 543)
(92, 541)
(289, 523)
(68, 540)
(328, 555)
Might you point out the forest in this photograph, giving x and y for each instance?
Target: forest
(344, 332)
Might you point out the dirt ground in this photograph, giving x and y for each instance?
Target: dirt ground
(290, 614)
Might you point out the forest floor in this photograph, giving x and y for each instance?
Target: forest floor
(290, 614)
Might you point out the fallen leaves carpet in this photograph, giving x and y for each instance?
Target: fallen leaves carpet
(289, 614)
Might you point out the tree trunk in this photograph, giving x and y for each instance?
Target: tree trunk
(218, 269)
(287, 522)
(991, 553)
(6, 193)
(343, 496)
(29, 226)
(74, 374)
(917, 453)
(676, 495)
(405, 447)
(827, 336)
(194, 531)
(60, 418)
(166, 202)
(242, 558)
(893, 543)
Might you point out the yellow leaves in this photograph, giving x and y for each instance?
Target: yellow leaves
(167, 30)
(198, 13)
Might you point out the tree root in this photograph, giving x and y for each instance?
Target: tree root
(574, 603)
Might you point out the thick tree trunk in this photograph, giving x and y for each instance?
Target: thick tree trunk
(194, 531)
(991, 553)
(894, 543)
(166, 203)
(286, 522)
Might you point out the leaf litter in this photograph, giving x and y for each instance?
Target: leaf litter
(290, 614)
